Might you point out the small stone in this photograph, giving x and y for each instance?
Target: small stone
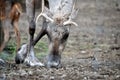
(64, 75)
(98, 49)
(22, 72)
(71, 58)
(83, 52)
(85, 78)
(30, 72)
(52, 78)
(106, 76)
(118, 76)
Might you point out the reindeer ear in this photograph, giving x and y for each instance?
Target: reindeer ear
(74, 13)
(71, 17)
(45, 13)
(48, 12)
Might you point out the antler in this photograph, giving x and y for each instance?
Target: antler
(72, 16)
(43, 14)
(70, 22)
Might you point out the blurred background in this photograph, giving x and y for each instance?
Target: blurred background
(93, 46)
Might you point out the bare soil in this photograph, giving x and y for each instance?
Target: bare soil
(92, 51)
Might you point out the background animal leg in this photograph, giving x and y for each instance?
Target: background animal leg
(6, 34)
(15, 13)
(17, 34)
(5, 40)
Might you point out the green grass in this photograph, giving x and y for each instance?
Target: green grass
(41, 49)
(9, 52)
(6, 56)
(10, 48)
(42, 46)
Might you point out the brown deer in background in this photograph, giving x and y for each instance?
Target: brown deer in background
(57, 19)
(10, 11)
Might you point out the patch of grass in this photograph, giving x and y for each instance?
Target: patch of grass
(9, 51)
(87, 46)
(41, 55)
(41, 49)
(10, 48)
(42, 46)
(6, 56)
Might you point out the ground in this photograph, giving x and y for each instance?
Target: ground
(92, 51)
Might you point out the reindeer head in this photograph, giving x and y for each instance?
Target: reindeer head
(59, 12)
(59, 17)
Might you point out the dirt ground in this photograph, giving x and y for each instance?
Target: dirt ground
(92, 51)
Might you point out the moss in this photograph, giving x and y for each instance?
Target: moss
(42, 46)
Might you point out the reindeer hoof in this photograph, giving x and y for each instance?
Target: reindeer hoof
(33, 62)
(21, 54)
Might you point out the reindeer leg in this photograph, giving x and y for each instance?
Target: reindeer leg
(41, 33)
(39, 36)
(30, 58)
(26, 52)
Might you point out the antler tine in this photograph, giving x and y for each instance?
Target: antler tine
(69, 21)
(43, 4)
(43, 14)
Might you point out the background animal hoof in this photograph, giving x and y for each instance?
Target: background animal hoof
(2, 62)
(18, 60)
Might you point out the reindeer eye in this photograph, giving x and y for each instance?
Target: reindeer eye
(66, 1)
(55, 30)
(67, 18)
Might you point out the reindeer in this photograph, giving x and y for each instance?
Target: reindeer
(57, 18)
(9, 15)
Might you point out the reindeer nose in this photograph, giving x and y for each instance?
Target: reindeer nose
(58, 20)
